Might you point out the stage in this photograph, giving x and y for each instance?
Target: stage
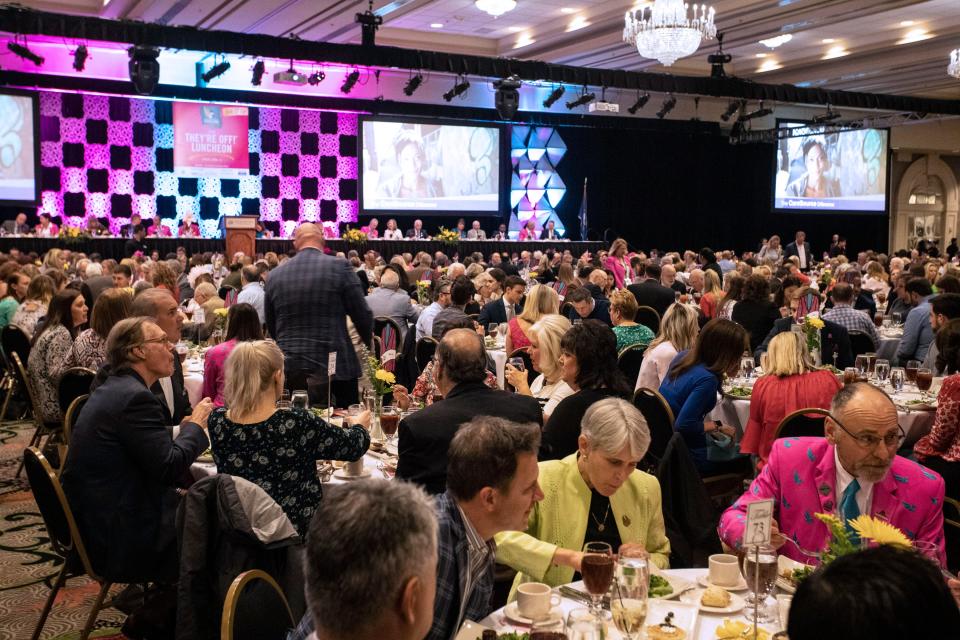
(114, 247)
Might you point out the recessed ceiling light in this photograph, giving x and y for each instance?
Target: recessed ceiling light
(436, 25)
(769, 65)
(828, 40)
(906, 23)
(568, 10)
(915, 35)
(577, 23)
(515, 29)
(773, 43)
(836, 51)
(762, 55)
(524, 40)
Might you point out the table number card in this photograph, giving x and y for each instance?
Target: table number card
(759, 520)
(331, 365)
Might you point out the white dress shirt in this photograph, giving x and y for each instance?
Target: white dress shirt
(864, 496)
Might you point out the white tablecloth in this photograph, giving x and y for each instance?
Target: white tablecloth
(888, 347)
(193, 380)
(707, 623)
(371, 462)
(500, 360)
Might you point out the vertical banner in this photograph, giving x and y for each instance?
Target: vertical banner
(583, 213)
(210, 140)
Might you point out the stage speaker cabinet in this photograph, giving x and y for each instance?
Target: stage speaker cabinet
(241, 235)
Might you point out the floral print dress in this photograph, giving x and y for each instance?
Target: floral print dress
(280, 455)
(46, 365)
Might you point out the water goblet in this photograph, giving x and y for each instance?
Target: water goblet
(584, 624)
(628, 603)
(284, 401)
(862, 363)
(492, 329)
(924, 380)
(747, 365)
(882, 371)
(760, 572)
(898, 378)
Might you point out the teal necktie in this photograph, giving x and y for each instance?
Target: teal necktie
(849, 509)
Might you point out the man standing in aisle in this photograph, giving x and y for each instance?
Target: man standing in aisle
(801, 248)
(307, 301)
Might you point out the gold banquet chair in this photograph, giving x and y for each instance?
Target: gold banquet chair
(255, 609)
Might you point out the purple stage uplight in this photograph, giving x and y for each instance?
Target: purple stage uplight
(110, 157)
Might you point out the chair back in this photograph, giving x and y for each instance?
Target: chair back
(803, 423)
(229, 295)
(255, 609)
(426, 347)
(659, 416)
(54, 508)
(648, 317)
(390, 335)
(860, 343)
(23, 379)
(629, 360)
(74, 383)
(70, 418)
(13, 339)
(524, 355)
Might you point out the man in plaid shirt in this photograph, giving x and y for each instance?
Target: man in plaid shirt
(307, 300)
(853, 320)
(492, 485)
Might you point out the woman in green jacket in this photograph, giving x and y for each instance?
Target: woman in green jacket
(593, 495)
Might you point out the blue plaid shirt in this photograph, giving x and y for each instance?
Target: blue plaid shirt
(307, 301)
(854, 321)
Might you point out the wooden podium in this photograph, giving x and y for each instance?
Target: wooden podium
(241, 234)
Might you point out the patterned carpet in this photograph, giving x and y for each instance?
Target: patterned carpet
(28, 566)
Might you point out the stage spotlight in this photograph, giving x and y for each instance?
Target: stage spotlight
(316, 78)
(458, 90)
(25, 53)
(350, 81)
(258, 70)
(216, 71)
(732, 108)
(507, 98)
(759, 113)
(639, 104)
(585, 98)
(829, 116)
(555, 95)
(144, 68)
(667, 107)
(413, 84)
(80, 58)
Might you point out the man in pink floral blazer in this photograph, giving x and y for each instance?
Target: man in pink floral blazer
(854, 470)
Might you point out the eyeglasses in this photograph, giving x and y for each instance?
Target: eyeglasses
(870, 441)
(163, 340)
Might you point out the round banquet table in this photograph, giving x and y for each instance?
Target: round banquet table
(193, 380)
(889, 342)
(705, 627)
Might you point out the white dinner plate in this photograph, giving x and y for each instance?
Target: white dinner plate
(678, 584)
(512, 613)
(339, 473)
(704, 581)
(737, 603)
(786, 564)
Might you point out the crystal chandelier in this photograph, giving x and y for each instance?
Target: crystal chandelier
(496, 7)
(954, 67)
(669, 30)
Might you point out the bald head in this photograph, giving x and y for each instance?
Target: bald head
(461, 357)
(308, 235)
(855, 396)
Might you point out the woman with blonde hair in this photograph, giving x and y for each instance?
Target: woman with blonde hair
(486, 286)
(164, 277)
(790, 381)
(771, 250)
(276, 449)
(40, 292)
(52, 261)
(549, 388)
(566, 280)
(618, 263)
(623, 311)
(678, 332)
(541, 300)
(712, 293)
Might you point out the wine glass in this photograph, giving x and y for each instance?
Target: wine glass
(898, 378)
(897, 318)
(862, 364)
(584, 624)
(911, 369)
(882, 371)
(747, 365)
(284, 401)
(760, 572)
(924, 380)
(502, 331)
(389, 421)
(597, 571)
(492, 329)
(631, 589)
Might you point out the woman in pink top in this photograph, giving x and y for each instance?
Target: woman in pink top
(940, 449)
(529, 231)
(617, 262)
(243, 324)
(790, 382)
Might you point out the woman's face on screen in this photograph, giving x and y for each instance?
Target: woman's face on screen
(409, 160)
(816, 161)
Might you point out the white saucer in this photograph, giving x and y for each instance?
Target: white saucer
(737, 603)
(704, 581)
(512, 613)
(339, 473)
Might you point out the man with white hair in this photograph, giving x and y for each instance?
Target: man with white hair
(456, 270)
(95, 283)
(387, 300)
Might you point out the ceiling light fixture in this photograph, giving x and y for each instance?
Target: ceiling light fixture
(524, 41)
(906, 23)
(413, 84)
(555, 95)
(568, 10)
(80, 58)
(769, 65)
(25, 53)
(836, 51)
(915, 35)
(316, 78)
(350, 81)
(496, 8)
(773, 43)
(828, 40)
(216, 71)
(258, 70)
(577, 23)
(669, 31)
(585, 98)
(667, 107)
(761, 112)
(436, 25)
(639, 104)
(954, 67)
(507, 98)
(144, 68)
(458, 90)
(732, 108)
(829, 116)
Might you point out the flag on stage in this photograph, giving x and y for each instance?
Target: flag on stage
(583, 212)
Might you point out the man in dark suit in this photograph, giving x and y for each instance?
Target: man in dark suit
(800, 248)
(17, 226)
(120, 477)
(126, 231)
(135, 243)
(307, 301)
(585, 307)
(417, 233)
(550, 231)
(649, 292)
(708, 260)
(460, 369)
(507, 307)
(160, 306)
(834, 338)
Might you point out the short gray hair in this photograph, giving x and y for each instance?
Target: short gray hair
(94, 269)
(351, 574)
(613, 423)
(389, 279)
(123, 338)
(145, 304)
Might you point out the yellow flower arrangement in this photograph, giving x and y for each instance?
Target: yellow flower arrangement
(868, 528)
(385, 376)
(447, 236)
(221, 312)
(423, 292)
(814, 321)
(381, 380)
(879, 531)
(355, 236)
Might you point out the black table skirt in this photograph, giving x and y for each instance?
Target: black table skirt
(113, 247)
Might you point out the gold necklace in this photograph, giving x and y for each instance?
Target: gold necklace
(602, 525)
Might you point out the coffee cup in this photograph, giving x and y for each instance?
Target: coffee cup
(724, 570)
(535, 600)
(354, 468)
